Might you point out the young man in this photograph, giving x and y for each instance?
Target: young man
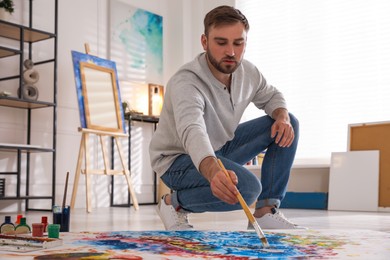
(200, 122)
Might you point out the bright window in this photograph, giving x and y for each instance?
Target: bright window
(330, 58)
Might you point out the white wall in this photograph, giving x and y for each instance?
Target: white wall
(87, 22)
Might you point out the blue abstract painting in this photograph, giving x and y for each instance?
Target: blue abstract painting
(136, 43)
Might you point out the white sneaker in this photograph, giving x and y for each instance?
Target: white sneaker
(275, 220)
(172, 219)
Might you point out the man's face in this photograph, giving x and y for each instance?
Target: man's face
(225, 46)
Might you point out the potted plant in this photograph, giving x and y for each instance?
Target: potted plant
(6, 8)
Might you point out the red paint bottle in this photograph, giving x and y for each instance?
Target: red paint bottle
(18, 217)
(37, 229)
(45, 223)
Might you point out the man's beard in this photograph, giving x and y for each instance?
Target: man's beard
(227, 69)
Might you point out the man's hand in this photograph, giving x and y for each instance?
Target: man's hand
(282, 128)
(220, 185)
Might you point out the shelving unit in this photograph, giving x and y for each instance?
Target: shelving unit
(29, 35)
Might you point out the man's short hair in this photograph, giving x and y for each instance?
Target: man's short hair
(223, 15)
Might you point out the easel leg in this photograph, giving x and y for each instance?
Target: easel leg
(127, 174)
(104, 152)
(87, 178)
(77, 173)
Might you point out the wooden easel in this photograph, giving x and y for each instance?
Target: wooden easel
(84, 156)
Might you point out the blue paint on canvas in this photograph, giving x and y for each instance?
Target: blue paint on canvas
(78, 57)
(147, 27)
(137, 43)
(150, 27)
(212, 244)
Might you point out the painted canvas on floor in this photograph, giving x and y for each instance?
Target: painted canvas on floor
(300, 244)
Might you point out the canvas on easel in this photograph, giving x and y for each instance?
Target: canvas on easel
(101, 114)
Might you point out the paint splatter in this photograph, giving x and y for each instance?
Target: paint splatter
(216, 245)
(297, 244)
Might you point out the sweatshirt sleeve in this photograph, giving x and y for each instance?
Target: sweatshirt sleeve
(268, 97)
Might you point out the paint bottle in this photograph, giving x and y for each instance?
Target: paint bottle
(7, 226)
(18, 217)
(45, 223)
(37, 229)
(22, 228)
(53, 230)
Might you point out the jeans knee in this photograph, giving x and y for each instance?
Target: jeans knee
(251, 191)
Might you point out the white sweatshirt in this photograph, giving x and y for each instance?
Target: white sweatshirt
(199, 114)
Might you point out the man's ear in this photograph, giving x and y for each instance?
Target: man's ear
(203, 40)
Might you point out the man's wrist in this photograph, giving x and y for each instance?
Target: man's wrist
(208, 167)
(281, 113)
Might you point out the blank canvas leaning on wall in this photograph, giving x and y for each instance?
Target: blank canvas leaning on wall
(354, 181)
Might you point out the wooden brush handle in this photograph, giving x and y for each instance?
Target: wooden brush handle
(244, 206)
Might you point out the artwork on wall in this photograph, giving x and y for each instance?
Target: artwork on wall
(136, 43)
(98, 93)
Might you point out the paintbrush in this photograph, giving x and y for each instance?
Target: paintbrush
(65, 191)
(247, 211)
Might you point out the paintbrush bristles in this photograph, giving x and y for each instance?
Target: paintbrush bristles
(260, 234)
(265, 242)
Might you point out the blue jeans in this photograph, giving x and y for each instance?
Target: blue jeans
(192, 193)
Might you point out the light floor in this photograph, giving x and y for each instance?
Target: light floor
(123, 218)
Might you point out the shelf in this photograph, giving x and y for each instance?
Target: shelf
(142, 118)
(7, 52)
(24, 148)
(309, 163)
(13, 31)
(22, 103)
(25, 197)
(294, 166)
